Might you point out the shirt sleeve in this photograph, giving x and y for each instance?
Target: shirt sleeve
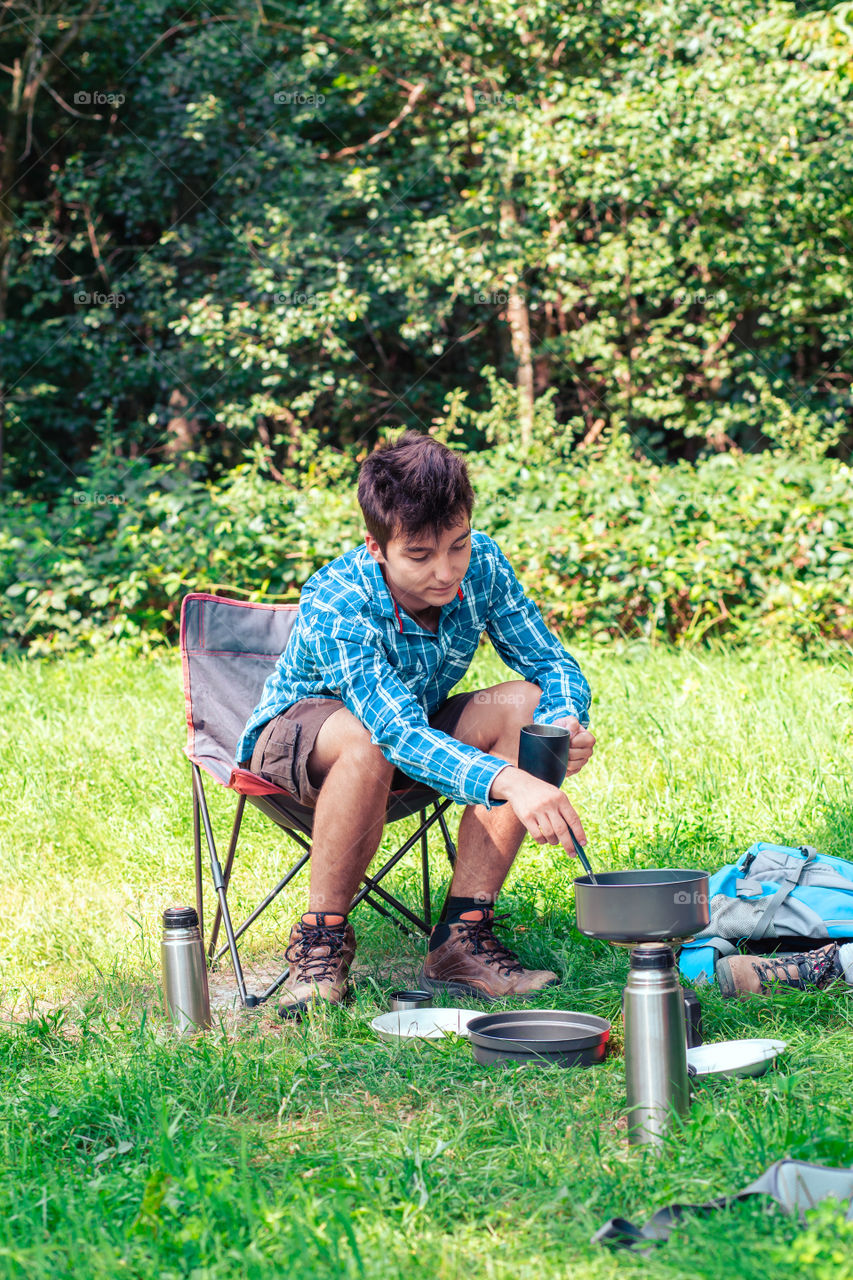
(357, 669)
(517, 630)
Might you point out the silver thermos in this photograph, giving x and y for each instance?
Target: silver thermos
(185, 990)
(655, 1044)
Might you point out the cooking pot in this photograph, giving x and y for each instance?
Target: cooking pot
(642, 906)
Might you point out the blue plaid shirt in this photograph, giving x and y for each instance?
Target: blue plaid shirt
(351, 641)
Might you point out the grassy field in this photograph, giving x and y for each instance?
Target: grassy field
(265, 1149)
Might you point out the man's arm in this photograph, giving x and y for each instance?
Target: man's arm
(355, 665)
(517, 630)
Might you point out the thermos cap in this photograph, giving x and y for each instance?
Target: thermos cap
(180, 918)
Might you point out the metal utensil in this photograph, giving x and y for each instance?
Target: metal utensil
(543, 750)
(185, 990)
(649, 910)
(655, 1045)
(579, 850)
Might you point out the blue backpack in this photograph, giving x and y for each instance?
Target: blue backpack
(774, 898)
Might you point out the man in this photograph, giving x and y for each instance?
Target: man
(382, 635)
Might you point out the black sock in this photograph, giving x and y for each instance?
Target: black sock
(454, 908)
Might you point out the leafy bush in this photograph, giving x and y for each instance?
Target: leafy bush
(749, 547)
(743, 546)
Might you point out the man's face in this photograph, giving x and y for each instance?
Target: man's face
(422, 573)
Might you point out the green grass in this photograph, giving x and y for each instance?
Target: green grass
(263, 1149)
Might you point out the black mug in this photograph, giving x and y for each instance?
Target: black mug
(543, 750)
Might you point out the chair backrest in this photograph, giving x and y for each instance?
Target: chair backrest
(228, 648)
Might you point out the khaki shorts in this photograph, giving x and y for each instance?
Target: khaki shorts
(282, 750)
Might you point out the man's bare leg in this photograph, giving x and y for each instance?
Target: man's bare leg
(349, 815)
(354, 778)
(465, 956)
(489, 839)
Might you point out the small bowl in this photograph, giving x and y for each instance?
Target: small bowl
(733, 1057)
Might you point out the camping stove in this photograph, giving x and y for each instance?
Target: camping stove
(649, 911)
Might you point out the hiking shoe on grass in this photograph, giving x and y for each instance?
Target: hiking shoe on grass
(320, 956)
(472, 961)
(754, 976)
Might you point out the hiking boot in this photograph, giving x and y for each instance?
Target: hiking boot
(473, 962)
(319, 956)
(750, 976)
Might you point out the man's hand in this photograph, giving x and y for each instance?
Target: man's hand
(580, 746)
(544, 810)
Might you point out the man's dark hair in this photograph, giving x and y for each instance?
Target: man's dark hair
(412, 486)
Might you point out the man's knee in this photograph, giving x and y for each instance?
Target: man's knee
(516, 701)
(532, 695)
(367, 758)
(520, 700)
(344, 738)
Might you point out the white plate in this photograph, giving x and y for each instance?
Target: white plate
(734, 1057)
(423, 1024)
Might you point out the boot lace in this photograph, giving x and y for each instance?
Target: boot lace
(316, 955)
(810, 970)
(483, 942)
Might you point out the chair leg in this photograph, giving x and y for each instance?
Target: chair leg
(450, 850)
(229, 863)
(449, 846)
(372, 886)
(389, 915)
(262, 906)
(199, 900)
(372, 883)
(425, 870)
(219, 885)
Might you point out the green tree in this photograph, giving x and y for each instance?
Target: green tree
(275, 228)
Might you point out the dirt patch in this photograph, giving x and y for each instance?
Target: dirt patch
(259, 975)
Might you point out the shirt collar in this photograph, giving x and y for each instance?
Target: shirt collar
(383, 601)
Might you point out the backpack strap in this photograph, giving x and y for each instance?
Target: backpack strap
(768, 915)
(721, 945)
(819, 876)
(772, 863)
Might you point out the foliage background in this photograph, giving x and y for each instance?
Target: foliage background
(326, 218)
(603, 248)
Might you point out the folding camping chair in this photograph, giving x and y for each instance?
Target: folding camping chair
(228, 648)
